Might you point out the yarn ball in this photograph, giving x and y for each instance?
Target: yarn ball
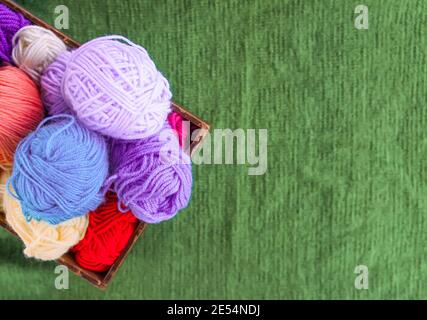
(108, 234)
(34, 48)
(42, 240)
(181, 127)
(50, 84)
(114, 88)
(10, 23)
(59, 170)
(21, 110)
(4, 175)
(152, 176)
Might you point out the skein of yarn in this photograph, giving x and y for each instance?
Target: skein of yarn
(50, 84)
(59, 170)
(10, 23)
(114, 88)
(42, 240)
(152, 176)
(21, 110)
(180, 126)
(34, 48)
(4, 175)
(108, 234)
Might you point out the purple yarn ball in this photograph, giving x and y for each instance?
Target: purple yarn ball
(10, 23)
(114, 88)
(50, 83)
(151, 176)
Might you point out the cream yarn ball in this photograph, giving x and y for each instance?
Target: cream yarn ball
(42, 240)
(4, 175)
(34, 48)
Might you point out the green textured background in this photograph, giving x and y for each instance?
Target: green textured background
(347, 172)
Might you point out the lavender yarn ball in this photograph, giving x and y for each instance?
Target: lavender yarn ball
(151, 176)
(114, 88)
(59, 171)
(10, 23)
(50, 83)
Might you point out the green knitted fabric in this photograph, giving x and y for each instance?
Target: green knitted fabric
(346, 185)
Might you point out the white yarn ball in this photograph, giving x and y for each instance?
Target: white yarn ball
(34, 48)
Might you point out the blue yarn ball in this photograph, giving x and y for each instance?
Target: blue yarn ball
(59, 170)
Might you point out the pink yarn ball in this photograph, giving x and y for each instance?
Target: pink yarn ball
(178, 124)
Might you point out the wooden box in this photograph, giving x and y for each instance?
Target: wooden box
(101, 280)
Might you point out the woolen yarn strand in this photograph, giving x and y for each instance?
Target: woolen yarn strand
(114, 88)
(10, 23)
(108, 234)
(34, 48)
(21, 110)
(59, 170)
(180, 126)
(42, 240)
(4, 175)
(50, 84)
(151, 176)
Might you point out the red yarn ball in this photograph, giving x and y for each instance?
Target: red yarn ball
(108, 233)
(176, 121)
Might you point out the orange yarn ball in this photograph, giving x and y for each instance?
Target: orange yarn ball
(21, 110)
